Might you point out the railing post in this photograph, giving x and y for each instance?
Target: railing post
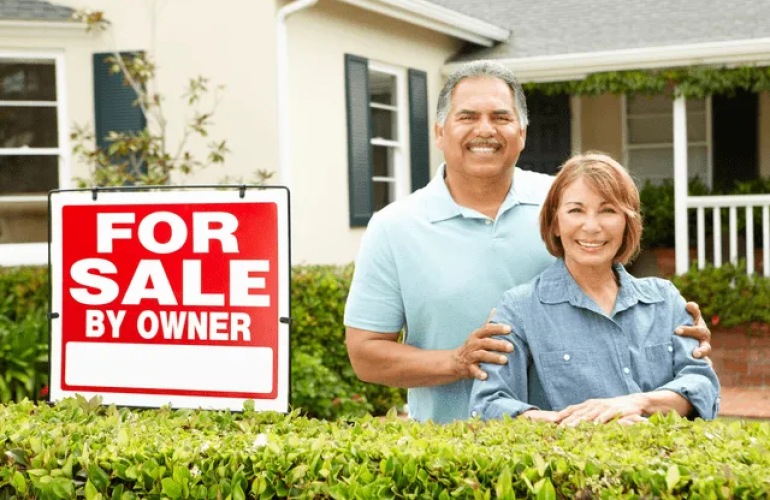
(681, 240)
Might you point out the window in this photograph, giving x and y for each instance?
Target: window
(387, 134)
(649, 138)
(33, 152)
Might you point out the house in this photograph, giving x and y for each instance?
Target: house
(337, 96)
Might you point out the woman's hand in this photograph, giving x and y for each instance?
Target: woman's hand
(601, 411)
(541, 416)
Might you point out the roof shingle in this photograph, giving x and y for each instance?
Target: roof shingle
(34, 10)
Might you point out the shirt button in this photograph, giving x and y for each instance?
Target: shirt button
(670, 349)
(566, 357)
(626, 370)
(474, 413)
(487, 222)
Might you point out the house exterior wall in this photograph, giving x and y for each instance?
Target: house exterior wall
(235, 47)
(764, 134)
(319, 38)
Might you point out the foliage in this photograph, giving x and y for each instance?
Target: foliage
(78, 449)
(728, 293)
(23, 334)
(322, 382)
(147, 157)
(690, 82)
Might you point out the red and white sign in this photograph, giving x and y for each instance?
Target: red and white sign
(163, 298)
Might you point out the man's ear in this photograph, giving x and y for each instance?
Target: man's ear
(439, 131)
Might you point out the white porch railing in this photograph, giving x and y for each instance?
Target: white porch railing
(733, 203)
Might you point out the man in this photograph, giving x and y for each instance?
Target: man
(435, 263)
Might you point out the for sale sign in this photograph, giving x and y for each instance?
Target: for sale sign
(171, 297)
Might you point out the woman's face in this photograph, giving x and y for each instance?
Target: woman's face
(590, 227)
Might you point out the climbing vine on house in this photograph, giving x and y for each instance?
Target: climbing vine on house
(690, 82)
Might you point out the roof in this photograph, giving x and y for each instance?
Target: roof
(569, 39)
(34, 10)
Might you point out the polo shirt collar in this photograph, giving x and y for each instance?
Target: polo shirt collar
(557, 285)
(441, 206)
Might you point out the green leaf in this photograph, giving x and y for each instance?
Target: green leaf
(98, 477)
(672, 477)
(504, 484)
(545, 490)
(171, 488)
(91, 492)
(19, 483)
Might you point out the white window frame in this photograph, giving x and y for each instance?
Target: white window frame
(19, 254)
(399, 147)
(708, 143)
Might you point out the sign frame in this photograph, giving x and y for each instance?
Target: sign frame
(201, 196)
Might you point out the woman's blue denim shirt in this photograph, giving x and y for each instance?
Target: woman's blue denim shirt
(567, 350)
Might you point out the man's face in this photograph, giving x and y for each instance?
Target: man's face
(481, 136)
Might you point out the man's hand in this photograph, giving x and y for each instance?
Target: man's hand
(699, 332)
(480, 347)
(601, 411)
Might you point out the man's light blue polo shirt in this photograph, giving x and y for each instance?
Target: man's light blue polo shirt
(436, 270)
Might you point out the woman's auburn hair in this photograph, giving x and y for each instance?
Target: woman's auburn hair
(607, 177)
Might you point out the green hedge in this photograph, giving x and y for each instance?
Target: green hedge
(81, 449)
(322, 381)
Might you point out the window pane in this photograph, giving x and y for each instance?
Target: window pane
(23, 222)
(650, 130)
(384, 124)
(33, 127)
(27, 81)
(382, 161)
(382, 88)
(650, 104)
(658, 163)
(28, 174)
(382, 194)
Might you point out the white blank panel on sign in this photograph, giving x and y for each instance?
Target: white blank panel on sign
(205, 368)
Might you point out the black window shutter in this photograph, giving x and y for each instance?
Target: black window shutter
(359, 147)
(114, 109)
(419, 138)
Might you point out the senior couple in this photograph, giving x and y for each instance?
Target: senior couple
(573, 336)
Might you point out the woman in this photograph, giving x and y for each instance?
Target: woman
(591, 342)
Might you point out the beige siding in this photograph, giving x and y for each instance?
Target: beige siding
(764, 134)
(319, 39)
(602, 124)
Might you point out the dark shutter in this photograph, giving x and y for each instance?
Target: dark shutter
(419, 136)
(114, 109)
(359, 147)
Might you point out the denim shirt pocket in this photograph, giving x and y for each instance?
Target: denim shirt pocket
(571, 376)
(660, 365)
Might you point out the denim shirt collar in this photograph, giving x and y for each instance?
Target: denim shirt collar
(557, 285)
(441, 206)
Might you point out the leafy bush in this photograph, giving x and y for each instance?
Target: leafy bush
(727, 295)
(323, 383)
(23, 333)
(79, 449)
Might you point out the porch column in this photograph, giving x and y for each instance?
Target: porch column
(681, 242)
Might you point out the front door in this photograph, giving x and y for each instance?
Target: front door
(548, 134)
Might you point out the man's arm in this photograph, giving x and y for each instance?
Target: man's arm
(380, 358)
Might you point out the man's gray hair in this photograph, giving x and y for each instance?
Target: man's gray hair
(477, 69)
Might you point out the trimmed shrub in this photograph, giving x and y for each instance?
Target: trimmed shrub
(80, 449)
(322, 381)
(23, 333)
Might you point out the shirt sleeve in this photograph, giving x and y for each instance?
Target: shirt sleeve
(504, 392)
(374, 301)
(694, 379)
